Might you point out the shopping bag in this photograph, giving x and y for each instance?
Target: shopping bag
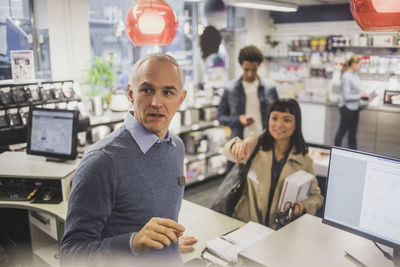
(229, 191)
(231, 188)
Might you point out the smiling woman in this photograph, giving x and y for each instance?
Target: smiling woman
(283, 152)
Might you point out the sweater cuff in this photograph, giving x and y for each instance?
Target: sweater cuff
(130, 245)
(120, 243)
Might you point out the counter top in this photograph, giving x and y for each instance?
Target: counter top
(383, 107)
(200, 222)
(22, 165)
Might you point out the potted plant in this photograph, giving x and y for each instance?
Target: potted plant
(100, 79)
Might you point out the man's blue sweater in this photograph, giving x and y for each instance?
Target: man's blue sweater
(117, 189)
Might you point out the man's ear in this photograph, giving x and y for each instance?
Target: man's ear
(129, 90)
(182, 97)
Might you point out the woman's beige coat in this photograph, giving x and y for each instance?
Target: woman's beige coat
(253, 204)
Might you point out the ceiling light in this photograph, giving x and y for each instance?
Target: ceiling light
(376, 15)
(266, 5)
(151, 22)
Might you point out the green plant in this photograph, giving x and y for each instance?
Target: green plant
(100, 76)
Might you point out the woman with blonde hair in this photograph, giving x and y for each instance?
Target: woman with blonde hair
(349, 104)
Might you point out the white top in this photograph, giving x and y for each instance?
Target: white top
(350, 90)
(252, 108)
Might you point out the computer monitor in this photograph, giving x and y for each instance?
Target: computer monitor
(52, 133)
(363, 195)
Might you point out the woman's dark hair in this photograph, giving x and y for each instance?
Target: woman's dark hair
(296, 140)
(250, 53)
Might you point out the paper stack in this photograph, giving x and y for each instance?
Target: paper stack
(227, 247)
(296, 187)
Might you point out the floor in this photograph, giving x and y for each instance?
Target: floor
(204, 192)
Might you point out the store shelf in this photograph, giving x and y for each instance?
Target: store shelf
(201, 125)
(190, 158)
(373, 50)
(108, 117)
(367, 47)
(202, 177)
(200, 107)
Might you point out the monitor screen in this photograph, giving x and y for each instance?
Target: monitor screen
(363, 195)
(52, 133)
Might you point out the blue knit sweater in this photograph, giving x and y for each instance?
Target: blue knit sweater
(117, 189)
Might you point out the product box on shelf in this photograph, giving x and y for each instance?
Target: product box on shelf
(195, 142)
(216, 164)
(196, 170)
(391, 97)
(382, 40)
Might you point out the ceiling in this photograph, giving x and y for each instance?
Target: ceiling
(315, 2)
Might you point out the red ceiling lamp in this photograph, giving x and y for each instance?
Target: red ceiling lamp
(151, 22)
(376, 15)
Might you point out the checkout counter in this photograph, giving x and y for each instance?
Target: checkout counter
(46, 221)
(304, 242)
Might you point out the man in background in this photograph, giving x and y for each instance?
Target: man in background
(128, 188)
(245, 102)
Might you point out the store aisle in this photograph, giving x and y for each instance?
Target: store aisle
(204, 192)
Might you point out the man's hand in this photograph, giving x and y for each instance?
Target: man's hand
(240, 151)
(157, 233)
(185, 244)
(245, 121)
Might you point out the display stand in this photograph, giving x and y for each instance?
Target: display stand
(396, 257)
(370, 255)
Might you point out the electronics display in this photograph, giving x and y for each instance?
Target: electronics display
(24, 113)
(3, 119)
(363, 193)
(19, 95)
(68, 89)
(52, 133)
(15, 117)
(5, 96)
(16, 99)
(32, 93)
(57, 91)
(391, 97)
(47, 94)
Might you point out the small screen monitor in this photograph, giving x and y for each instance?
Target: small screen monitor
(363, 195)
(52, 133)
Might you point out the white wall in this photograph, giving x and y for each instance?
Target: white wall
(290, 31)
(69, 38)
(258, 24)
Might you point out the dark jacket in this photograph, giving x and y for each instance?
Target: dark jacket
(233, 104)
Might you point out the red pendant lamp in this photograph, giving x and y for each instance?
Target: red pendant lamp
(376, 15)
(151, 22)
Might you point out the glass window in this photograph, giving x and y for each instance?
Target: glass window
(107, 34)
(16, 33)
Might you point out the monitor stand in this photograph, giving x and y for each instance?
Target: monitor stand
(51, 159)
(370, 256)
(396, 257)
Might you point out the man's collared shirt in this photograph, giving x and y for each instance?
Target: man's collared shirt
(143, 137)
